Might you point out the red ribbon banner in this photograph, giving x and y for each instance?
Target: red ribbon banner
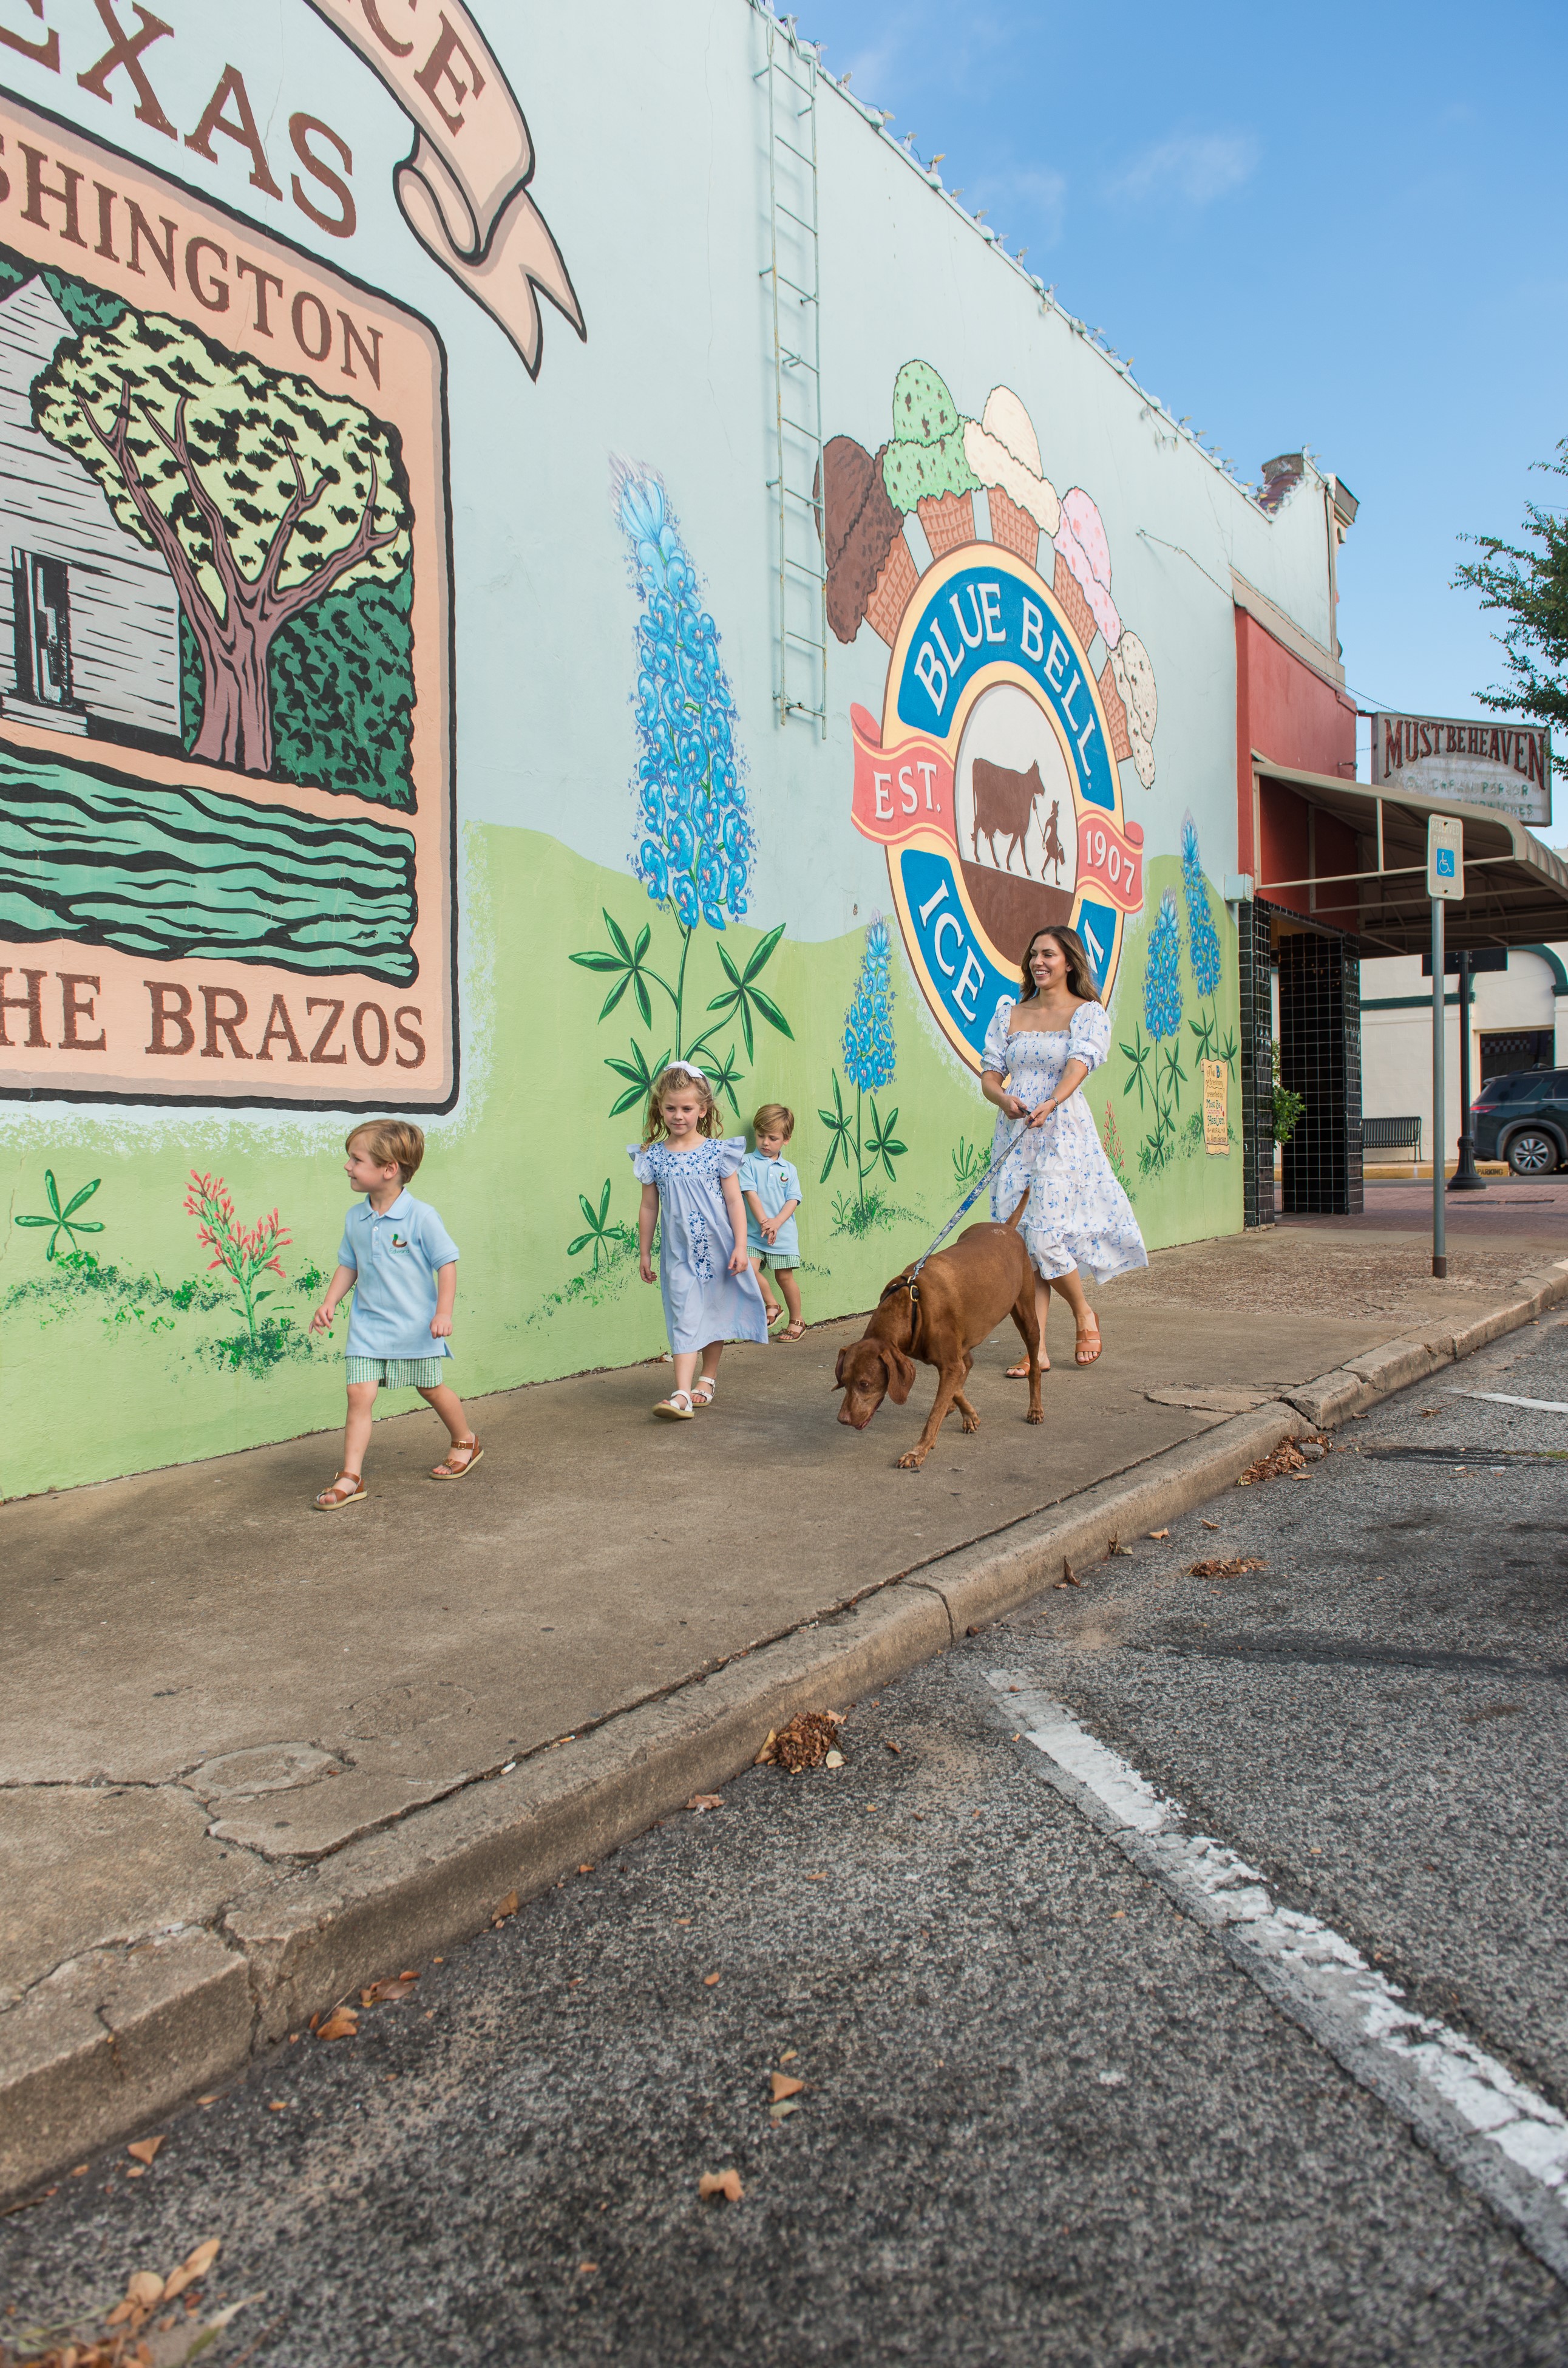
(1111, 859)
(900, 791)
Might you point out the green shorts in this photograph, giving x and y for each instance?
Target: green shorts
(777, 1259)
(399, 1372)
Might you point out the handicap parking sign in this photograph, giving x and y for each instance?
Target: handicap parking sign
(1445, 863)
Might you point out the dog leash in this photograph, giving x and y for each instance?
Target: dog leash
(910, 1280)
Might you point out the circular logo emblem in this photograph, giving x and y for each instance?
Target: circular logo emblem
(991, 783)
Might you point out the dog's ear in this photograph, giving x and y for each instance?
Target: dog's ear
(901, 1372)
(838, 1381)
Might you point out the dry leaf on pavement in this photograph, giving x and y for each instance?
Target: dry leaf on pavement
(1285, 1458)
(709, 1980)
(698, 1800)
(145, 2149)
(834, 1759)
(714, 2183)
(195, 2265)
(804, 1743)
(1069, 1575)
(786, 2085)
(341, 2023)
(395, 1986)
(1159, 1533)
(507, 1906)
(897, 1747)
(764, 1756)
(1235, 1568)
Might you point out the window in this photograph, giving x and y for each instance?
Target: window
(41, 595)
(1521, 1048)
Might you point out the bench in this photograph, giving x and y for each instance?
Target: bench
(1392, 1135)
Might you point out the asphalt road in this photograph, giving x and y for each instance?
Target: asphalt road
(1046, 2119)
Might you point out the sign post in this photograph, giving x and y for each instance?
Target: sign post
(1445, 885)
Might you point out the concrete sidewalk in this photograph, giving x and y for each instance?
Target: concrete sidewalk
(253, 1755)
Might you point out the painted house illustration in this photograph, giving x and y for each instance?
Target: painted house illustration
(89, 619)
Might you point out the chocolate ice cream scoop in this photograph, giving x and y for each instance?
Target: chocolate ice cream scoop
(860, 527)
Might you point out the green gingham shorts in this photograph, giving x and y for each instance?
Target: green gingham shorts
(399, 1372)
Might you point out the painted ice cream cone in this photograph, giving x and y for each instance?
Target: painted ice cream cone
(1002, 449)
(1134, 675)
(1071, 601)
(947, 519)
(1081, 544)
(870, 569)
(924, 466)
(893, 588)
(1115, 711)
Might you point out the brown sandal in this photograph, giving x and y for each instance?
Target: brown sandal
(1088, 1346)
(347, 1489)
(448, 1470)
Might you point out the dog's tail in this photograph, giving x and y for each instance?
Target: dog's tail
(1013, 1220)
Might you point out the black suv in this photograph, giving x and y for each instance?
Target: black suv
(1524, 1119)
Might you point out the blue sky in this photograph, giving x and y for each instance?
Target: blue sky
(1342, 227)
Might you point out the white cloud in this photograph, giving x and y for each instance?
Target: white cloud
(1197, 167)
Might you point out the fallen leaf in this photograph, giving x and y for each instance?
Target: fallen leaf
(195, 2265)
(834, 1759)
(1211, 1525)
(790, 2052)
(144, 2288)
(382, 1992)
(145, 2149)
(785, 2084)
(341, 2023)
(278, 2105)
(585, 1870)
(816, 1878)
(81, 2171)
(698, 1800)
(1235, 1568)
(137, 2170)
(764, 1758)
(897, 1748)
(709, 1980)
(1069, 1575)
(726, 2183)
(1159, 1533)
(789, 2105)
(587, 2269)
(1116, 1913)
(508, 1907)
(806, 1741)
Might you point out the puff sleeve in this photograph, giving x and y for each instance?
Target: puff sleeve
(997, 1056)
(644, 1161)
(1089, 1034)
(731, 1150)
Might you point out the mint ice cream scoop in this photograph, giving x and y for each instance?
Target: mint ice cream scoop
(925, 458)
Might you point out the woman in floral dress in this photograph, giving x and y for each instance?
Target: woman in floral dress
(1039, 1051)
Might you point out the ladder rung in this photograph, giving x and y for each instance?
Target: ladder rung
(799, 220)
(780, 141)
(820, 647)
(815, 574)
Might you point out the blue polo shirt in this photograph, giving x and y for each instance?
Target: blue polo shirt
(394, 1254)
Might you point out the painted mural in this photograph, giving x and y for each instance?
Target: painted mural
(225, 769)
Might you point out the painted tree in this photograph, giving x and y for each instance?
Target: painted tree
(259, 493)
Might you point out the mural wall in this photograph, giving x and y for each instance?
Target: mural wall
(387, 657)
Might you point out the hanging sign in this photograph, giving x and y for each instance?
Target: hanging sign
(1506, 766)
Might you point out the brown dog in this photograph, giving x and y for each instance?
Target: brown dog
(960, 1295)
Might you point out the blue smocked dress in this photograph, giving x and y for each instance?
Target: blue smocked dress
(703, 1301)
(1078, 1214)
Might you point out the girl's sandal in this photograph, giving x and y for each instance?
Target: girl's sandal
(677, 1408)
(773, 1315)
(449, 1468)
(704, 1391)
(1089, 1345)
(347, 1489)
(1020, 1372)
(793, 1332)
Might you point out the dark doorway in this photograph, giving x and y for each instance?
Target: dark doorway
(41, 593)
(1320, 1058)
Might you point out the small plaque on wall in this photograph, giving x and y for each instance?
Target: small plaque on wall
(1216, 1111)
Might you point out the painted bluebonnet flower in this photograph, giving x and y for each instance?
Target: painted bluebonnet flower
(1162, 979)
(868, 1049)
(696, 846)
(1202, 942)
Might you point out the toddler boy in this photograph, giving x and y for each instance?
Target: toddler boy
(400, 1263)
(771, 1191)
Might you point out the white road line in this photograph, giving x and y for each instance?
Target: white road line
(1491, 2131)
(1501, 1397)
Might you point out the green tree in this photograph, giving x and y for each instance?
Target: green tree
(1529, 585)
(259, 493)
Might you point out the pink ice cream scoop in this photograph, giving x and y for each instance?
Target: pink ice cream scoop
(1081, 540)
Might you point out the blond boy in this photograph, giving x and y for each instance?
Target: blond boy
(400, 1263)
(771, 1191)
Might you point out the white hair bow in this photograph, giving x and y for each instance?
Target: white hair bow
(691, 1070)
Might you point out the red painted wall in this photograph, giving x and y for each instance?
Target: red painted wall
(1288, 713)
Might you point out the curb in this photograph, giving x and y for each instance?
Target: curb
(116, 2039)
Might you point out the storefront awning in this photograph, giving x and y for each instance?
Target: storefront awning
(1515, 888)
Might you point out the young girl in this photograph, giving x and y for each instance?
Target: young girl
(688, 1184)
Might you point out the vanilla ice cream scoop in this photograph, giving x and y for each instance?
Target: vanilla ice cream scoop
(1003, 450)
(1134, 675)
(1081, 540)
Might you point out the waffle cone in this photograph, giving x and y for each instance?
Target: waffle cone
(1070, 599)
(890, 594)
(1013, 528)
(949, 521)
(1116, 714)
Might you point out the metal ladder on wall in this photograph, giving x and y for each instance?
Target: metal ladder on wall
(789, 77)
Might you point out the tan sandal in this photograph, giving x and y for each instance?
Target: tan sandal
(774, 1313)
(793, 1332)
(347, 1489)
(677, 1408)
(1089, 1345)
(448, 1470)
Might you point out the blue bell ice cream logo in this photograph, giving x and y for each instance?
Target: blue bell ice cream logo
(1011, 702)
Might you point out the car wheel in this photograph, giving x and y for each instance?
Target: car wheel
(1532, 1154)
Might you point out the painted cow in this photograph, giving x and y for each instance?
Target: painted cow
(1004, 801)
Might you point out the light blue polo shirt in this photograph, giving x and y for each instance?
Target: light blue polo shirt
(394, 1254)
(774, 1182)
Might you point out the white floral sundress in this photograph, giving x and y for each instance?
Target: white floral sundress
(1078, 1214)
(703, 1301)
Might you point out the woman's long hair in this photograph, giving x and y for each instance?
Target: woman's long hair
(1080, 973)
